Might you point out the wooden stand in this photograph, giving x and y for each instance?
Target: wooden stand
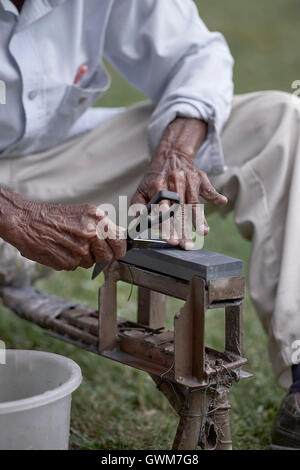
(194, 379)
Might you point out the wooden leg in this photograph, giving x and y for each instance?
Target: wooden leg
(234, 329)
(173, 392)
(151, 308)
(108, 325)
(189, 336)
(192, 419)
(216, 433)
(222, 420)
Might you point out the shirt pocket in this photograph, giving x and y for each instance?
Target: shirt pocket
(78, 99)
(75, 101)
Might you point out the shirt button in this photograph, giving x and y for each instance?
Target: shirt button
(32, 95)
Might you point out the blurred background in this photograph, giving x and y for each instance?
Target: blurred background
(117, 407)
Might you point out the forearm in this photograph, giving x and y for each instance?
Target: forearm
(11, 206)
(16, 218)
(56, 235)
(183, 136)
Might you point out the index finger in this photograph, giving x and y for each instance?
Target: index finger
(209, 193)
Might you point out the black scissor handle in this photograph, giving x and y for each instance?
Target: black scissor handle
(152, 221)
(169, 195)
(158, 219)
(161, 196)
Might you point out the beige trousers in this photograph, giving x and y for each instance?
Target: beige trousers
(262, 153)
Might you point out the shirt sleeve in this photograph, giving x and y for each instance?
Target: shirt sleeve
(164, 49)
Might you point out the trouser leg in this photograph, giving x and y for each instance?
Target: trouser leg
(262, 153)
(96, 167)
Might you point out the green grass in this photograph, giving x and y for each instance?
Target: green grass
(117, 407)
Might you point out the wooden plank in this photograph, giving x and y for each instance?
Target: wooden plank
(135, 344)
(226, 289)
(84, 322)
(155, 281)
(60, 326)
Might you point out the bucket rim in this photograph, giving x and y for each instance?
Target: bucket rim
(49, 396)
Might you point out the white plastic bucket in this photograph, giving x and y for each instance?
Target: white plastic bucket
(35, 400)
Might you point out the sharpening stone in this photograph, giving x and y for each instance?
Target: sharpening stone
(185, 265)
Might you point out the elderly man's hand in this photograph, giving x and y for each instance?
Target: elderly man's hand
(172, 168)
(60, 236)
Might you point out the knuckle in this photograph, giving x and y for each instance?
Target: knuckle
(177, 175)
(179, 172)
(84, 249)
(202, 174)
(108, 256)
(89, 209)
(210, 192)
(181, 176)
(158, 182)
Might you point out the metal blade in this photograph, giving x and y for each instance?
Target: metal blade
(98, 269)
(142, 243)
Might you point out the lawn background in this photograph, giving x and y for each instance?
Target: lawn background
(117, 407)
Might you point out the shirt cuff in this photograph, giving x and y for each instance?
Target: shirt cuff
(210, 157)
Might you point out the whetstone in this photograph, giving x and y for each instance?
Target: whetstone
(185, 265)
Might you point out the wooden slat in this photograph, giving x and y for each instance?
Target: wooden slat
(226, 289)
(154, 281)
(84, 322)
(151, 308)
(152, 348)
(234, 329)
(108, 326)
(189, 335)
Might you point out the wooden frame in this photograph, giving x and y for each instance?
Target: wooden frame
(195, 379)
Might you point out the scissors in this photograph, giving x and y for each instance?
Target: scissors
(145, 219)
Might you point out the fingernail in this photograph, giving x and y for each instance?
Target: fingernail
(174, 242)
(164, 207)
(188, 245)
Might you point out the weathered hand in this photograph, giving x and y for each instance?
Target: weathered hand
(172, 168)
(60, 236)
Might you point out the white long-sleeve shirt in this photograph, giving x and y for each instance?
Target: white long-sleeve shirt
(160, 46)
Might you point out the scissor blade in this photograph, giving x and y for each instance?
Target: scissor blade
(142, 243)
(98, 269)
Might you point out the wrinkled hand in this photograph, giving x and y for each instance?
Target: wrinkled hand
(172, 168)
(61, 236)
